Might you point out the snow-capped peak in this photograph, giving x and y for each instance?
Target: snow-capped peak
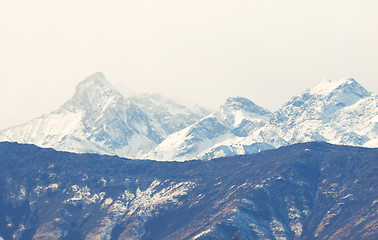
(92, 92)
(99, 119)
(97, 79)
(325, 98)
(241, 103)
(97, 82)
(326, 87)
(237, 109)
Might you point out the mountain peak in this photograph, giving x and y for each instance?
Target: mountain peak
(96, 80)
(322, 101)
(238, 109)
(92, 91)
(238, 103)
(326, 87)
(241, 103)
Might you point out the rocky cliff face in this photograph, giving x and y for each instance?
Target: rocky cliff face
(303, 191)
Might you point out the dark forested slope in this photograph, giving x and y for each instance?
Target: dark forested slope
(303, 191)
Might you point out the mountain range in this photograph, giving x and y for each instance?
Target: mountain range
(302, 191)
(340, 112)
(287, 174)
(98, 119)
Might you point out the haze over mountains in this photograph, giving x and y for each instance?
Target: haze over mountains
(98, 119)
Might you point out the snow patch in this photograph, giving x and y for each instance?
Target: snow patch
(202, 233)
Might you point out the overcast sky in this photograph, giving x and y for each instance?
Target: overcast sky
(199, 51)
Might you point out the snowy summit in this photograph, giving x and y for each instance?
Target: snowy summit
(98, 119)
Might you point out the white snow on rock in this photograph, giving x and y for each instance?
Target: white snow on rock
(98, 119)
(237, 118)
(140, 204)
(339, 112)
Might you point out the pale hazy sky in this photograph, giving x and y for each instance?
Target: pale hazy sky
(199, 51)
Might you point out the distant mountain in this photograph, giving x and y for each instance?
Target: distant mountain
(312, 115)
(340, 112)
(170, 115)
(237, 118)
(99, 119)
(303, 191)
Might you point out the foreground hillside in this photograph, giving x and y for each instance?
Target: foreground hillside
(303, 191)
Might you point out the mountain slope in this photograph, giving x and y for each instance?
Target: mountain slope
(340, 112)
(303, 191)
(99, 119)
(358, 124)
(237, 118)
(312, 115)
(170, 115)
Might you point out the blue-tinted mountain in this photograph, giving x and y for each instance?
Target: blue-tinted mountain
(304, 191)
